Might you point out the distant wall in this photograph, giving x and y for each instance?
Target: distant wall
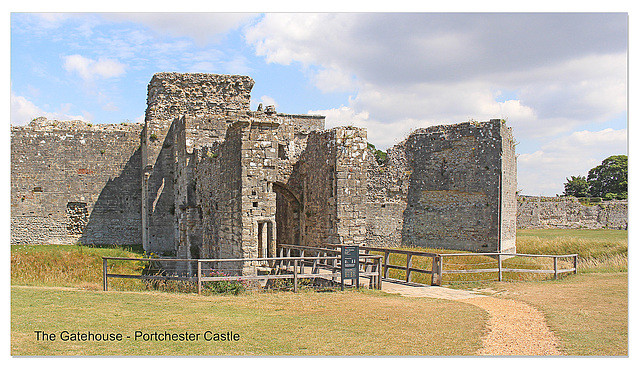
(568, 212)
(75, 182)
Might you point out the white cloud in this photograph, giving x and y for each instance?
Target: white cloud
(564, 72)
(545, 170)
(23, 111)
(89, 69)
(201, 27)
(569, 69)
(334, 80)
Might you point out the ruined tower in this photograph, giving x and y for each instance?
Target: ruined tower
(206, 177)
(450, 186)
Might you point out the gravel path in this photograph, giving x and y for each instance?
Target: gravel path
(514, 328)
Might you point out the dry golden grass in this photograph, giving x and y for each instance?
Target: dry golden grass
(51, 265)
(303, 324)
(588, 312)
(598, 251)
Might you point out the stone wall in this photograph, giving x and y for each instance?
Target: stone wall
(205, 177)
(508, 186)
(445, 187)
(207, 100)
(568, 212)
(170, 95)
(387, 188)
(218, 179)
(330, 178)
(75, 182)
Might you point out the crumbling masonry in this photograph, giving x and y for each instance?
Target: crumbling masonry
(206, 177)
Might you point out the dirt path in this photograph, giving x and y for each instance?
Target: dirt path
(514, 328)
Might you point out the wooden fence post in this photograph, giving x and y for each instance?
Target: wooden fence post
(436, 270)
(314, 268)
(295, 275)
(555, 267)
(199, 276)
(105, 284)
(379, 273)
(575, 264)
(408, 270)
(386, 264)
(499, 267)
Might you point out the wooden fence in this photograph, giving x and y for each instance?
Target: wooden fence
(285, 267)
(438, 261)
(297, 262)
(500, 257)
(370, 265)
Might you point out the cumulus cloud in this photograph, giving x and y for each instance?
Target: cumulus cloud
(201, 27)
(89, 69)
(544, 171)
(563, 71)
(568, 69)
(23, 111)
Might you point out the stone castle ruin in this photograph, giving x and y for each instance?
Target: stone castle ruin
(206, 177)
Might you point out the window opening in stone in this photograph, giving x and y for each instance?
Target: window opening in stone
(282, 154)
(261, 239)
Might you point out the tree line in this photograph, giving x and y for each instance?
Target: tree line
(607, 180)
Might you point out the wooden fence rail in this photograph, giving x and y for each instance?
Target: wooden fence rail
(324, 262)
(500, 269)
(329, 268)
(370, 265)
(437, 261)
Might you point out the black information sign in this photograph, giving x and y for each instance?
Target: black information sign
(350, 263)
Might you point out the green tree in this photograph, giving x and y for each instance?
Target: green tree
(381, 156)
(576, 186)
(609, 179)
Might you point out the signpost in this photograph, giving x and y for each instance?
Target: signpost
(350, 264)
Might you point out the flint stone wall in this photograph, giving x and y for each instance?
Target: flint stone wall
(443, 187)
(75, 182)
(204, 176)
(568, 212)
(207, 99)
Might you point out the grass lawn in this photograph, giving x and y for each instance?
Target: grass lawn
(308, 323)
(588, 312)
(57, 288)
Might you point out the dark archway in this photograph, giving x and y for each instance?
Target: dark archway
(288, 210)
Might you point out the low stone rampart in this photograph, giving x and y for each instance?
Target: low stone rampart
(569, 212)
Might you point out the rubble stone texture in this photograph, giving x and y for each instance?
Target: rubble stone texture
(205, 177)
(569, 212)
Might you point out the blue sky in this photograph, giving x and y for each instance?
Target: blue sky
(560, 80)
